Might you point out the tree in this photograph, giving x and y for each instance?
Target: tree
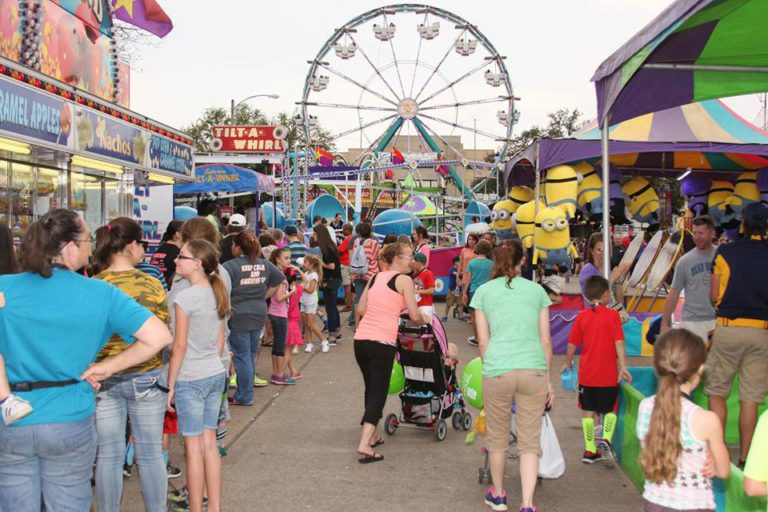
(200, 130)
(562, 123)
(297, 140)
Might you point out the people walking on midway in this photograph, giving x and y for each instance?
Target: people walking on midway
(517, 355)
(739, 290)
(196, 375)
(254, 280)
(384, 297)
(134, 391)
(603, 363)
(693, 274)
(55, 321)
(345, 252)
(478, 273)
(331, 281)
(679, 439)
(420, 239)
(278, 317)
(363, 264)
(309, 303)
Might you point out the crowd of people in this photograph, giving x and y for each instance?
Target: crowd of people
(146, 347)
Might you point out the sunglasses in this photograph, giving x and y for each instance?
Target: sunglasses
(182, 257)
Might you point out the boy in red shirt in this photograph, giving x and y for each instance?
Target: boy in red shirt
(424, 283)
(598, 329)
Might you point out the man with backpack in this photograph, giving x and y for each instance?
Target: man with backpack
(363, 264)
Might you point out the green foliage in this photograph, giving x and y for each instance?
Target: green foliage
(200, 129)
(562, 123)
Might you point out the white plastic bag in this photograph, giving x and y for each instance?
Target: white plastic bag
(551, 463)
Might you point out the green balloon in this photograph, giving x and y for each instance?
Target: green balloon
(471, 383)
(397, 379)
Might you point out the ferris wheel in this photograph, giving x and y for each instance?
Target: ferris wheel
(415, 78)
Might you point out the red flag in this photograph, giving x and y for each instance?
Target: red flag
(442, 170)
(324, 158)
(397, 156)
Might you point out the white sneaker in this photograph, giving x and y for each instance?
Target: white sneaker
(309, 348)
(295, 350)
(324, 346)
(15, 408)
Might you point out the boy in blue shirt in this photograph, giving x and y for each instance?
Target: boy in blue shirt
(452, 298)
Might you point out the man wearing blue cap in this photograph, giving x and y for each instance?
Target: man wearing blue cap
(739, 291)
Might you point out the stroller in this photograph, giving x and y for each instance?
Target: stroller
(430, 395)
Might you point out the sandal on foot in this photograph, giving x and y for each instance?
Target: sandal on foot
(367, 459)
(378, 442)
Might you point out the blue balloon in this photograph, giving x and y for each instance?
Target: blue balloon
(184, 213)
(398, 222)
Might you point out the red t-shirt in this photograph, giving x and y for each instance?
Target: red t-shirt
(422, 281)
(598, 330)
(344, 254)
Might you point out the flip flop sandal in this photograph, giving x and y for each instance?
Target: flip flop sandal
(368, 459)
(378, 442)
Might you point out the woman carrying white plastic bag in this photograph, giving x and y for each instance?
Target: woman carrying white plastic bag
(551, 462)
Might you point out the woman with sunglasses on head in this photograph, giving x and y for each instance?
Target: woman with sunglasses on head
(54, 321)
(384, 297)
(133, 392)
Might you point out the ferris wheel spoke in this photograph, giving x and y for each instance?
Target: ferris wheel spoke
(462, 127)
(353, 81)
(376, 69)
(418, 54)
(394, 58)
(373, 144)
(461, 78)
(437, 68)
(466, 103)
(436, 135)
(353, 107)
(363, 127)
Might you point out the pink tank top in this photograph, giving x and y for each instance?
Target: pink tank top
(278, 307)
(382, 312)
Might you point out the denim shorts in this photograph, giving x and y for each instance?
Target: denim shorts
(198, 403)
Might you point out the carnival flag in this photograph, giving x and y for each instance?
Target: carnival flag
(442, 170)
(397, 156)
(324, 158)
(145, 14)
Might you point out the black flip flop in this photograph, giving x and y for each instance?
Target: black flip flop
(368, 459)
(378, 442)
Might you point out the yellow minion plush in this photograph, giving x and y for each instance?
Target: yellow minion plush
(552, 235)
(642, 201)
(501, 218)
(519, 196)
(719, 192)
(590, 192)
(524, 219)
(561, 188)
(744, 193)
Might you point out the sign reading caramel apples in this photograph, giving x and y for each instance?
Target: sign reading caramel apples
(248, 139)
(105, 136)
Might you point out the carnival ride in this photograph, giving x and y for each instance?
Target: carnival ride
(402, 92)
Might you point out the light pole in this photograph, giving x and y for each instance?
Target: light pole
(235, 105)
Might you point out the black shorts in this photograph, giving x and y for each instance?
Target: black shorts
(599, 400)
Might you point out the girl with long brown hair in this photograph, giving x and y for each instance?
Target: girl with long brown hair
(331, 280)
(196, 375)
(677, 435)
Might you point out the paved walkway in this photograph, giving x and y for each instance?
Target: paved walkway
(295, 450)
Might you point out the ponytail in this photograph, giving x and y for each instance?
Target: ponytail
(114, 238)
(45, 239)
(506, 259)
(249, 245)
(678, 355)
(220, 292)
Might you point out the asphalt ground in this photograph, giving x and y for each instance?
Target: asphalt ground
(294, 449)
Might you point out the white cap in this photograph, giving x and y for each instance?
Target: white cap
(237, 221)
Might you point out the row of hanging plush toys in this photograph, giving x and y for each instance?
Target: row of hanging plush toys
(723, 200)
(566, 190)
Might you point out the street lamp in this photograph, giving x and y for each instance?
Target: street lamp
(234, 105)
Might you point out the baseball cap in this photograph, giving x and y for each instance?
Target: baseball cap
(237, 221)
(755, 213)
(291, 231)
(420, 257)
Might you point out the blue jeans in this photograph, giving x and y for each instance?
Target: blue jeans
(136, 396)
(50, 463)
(331, 297)
(245, 348)
(198, 403)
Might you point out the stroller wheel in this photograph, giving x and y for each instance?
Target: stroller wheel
(466, 420)
(456, 420)
(390, 424)
(441, 430)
